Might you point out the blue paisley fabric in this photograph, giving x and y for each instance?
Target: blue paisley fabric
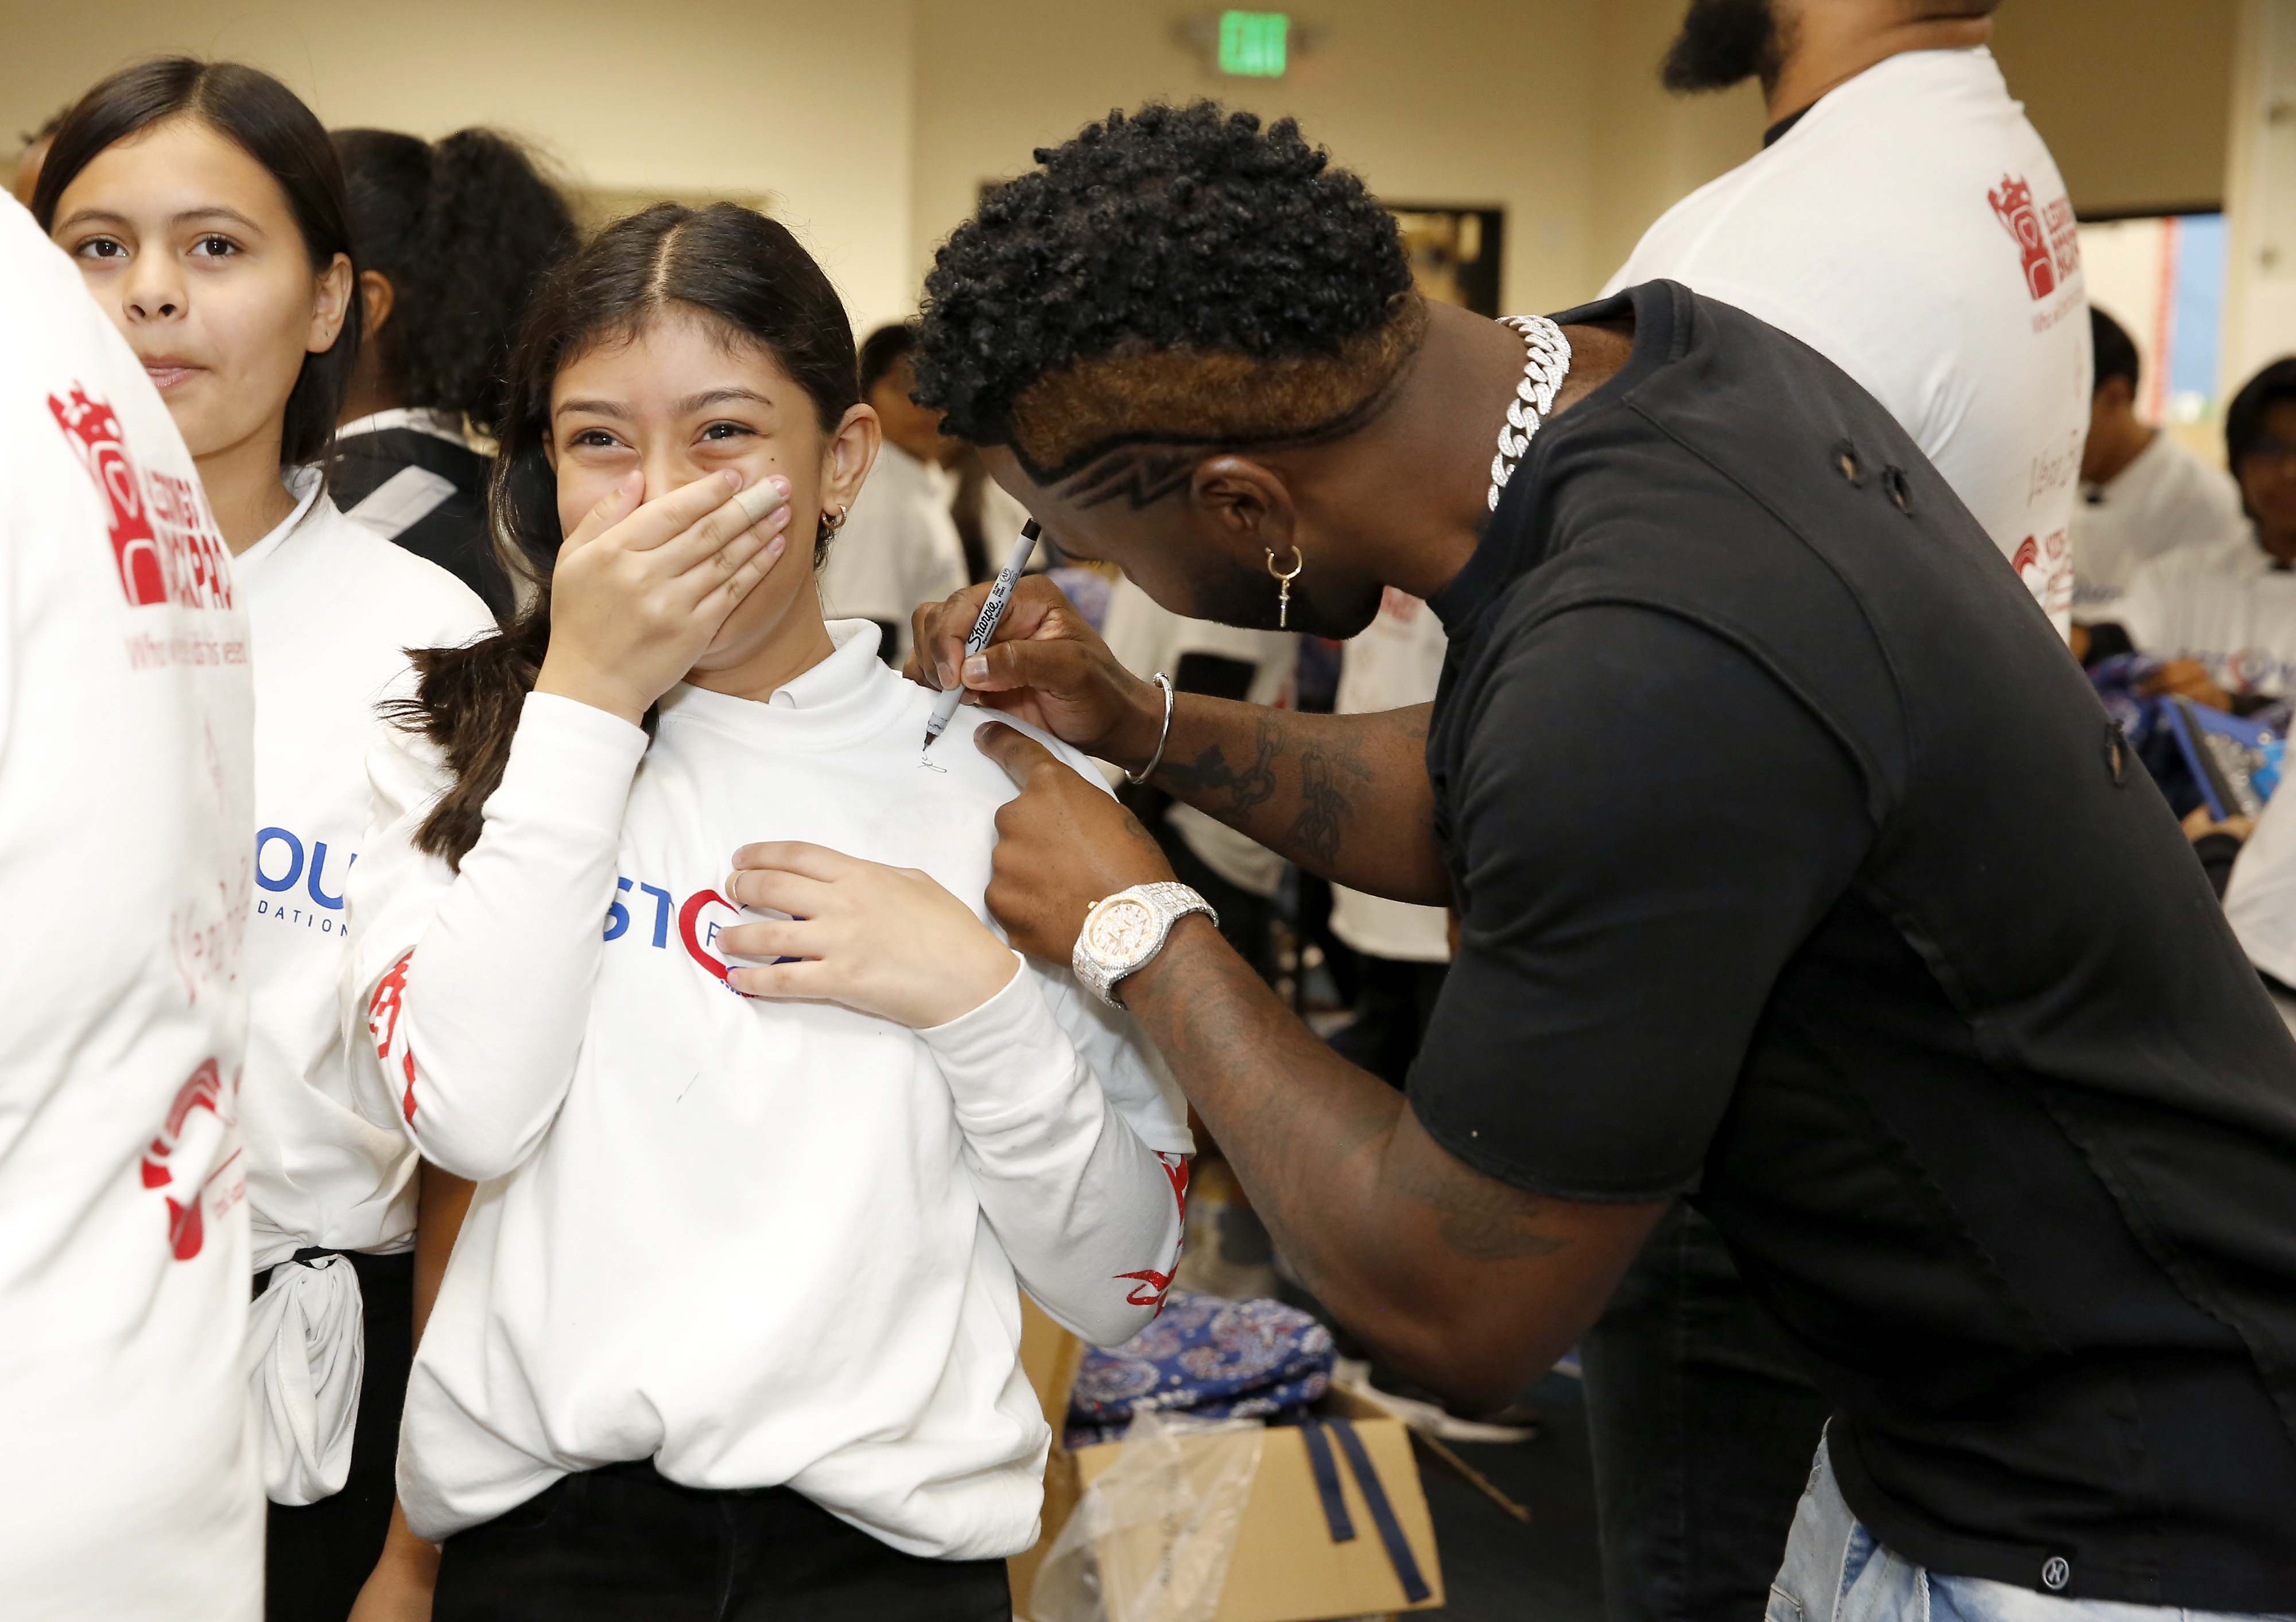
(1205, 1356)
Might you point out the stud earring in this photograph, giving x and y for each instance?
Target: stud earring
(1283, 596)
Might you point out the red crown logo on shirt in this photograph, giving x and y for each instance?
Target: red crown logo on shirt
(2013, 205)
(203, 1091)
(92, 429)
(163, 541)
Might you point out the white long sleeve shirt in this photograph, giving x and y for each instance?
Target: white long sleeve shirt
(759, 1243)
(332, 609)
(1913, 229)
(131, 1491)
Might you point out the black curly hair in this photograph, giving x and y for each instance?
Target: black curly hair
(465, 228)
(1178, 275)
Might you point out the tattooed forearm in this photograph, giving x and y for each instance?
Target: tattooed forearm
(1321, 810)
(1253, 786)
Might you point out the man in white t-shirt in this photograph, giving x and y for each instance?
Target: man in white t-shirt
(2142, 494)
(1394, 662)
(1905, 220)
(126, 804)
(899, 546)
(2231, 607)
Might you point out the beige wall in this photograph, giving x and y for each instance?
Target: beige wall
(1467, 101)
(869, 124)
(2133, 96)
(804, 101)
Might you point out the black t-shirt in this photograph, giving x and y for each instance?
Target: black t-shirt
(453, 534)
(1802, 874)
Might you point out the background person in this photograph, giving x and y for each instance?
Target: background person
(136, 1496)
(2142, 493)
(204, 207)
(451, 238)
(1402, 951)
(1798, 874)
(1905, 220)
(2230, 606)
(1238, 875)
(733, 1327)
(899, 545)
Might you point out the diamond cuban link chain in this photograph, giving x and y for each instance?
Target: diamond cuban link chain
(1543, 373)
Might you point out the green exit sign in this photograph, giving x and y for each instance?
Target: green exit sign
(1252, 45)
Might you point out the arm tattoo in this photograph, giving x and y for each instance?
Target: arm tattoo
(1321, 810)
(1253, 786)
(1324, 809)
(1482, 1219)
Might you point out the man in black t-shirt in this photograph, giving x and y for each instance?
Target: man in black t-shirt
(1799, 873)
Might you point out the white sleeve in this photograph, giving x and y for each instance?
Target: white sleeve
(2141, 612)
(2260, 897)
(476, 985)
(1090, 1213)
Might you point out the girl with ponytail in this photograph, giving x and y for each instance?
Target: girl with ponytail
(763, 1161)
(452, 239)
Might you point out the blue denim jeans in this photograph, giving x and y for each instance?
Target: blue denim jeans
(1835, 1572)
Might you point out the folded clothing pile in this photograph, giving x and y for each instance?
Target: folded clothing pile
(1204, 1356)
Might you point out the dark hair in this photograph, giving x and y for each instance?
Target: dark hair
(2116, 352)
(270, 123)
(2244, 417)
(881, 350)
(744, 271)
(1157, 241)
(465, 229)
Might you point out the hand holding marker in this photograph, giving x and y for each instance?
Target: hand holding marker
(992, 614)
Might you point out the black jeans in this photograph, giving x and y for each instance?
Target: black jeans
(317, 1555)
(1703, 1428)
(625, 1544)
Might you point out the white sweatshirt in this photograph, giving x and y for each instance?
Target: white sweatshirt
(1913, 229)
(759, 1243)
(126, 793)
(332, 609)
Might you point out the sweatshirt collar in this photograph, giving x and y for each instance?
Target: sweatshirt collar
(847, 695)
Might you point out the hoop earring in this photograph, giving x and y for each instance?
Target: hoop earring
(831, 522)
(1283, 596)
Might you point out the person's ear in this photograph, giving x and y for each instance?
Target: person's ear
(848, 455)
(378, 299)
(331, 303)
(1245, 498)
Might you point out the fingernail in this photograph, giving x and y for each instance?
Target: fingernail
(776, 546)
(733, 476)
(948, 676)
(779, 482)
(976, 669)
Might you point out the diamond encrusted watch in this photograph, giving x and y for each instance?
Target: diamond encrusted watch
(1124, 931)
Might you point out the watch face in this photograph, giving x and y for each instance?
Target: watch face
(1121, 931)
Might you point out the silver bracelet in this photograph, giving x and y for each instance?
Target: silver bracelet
(1148, 771)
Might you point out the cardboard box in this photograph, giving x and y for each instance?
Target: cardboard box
(1286, 1567)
